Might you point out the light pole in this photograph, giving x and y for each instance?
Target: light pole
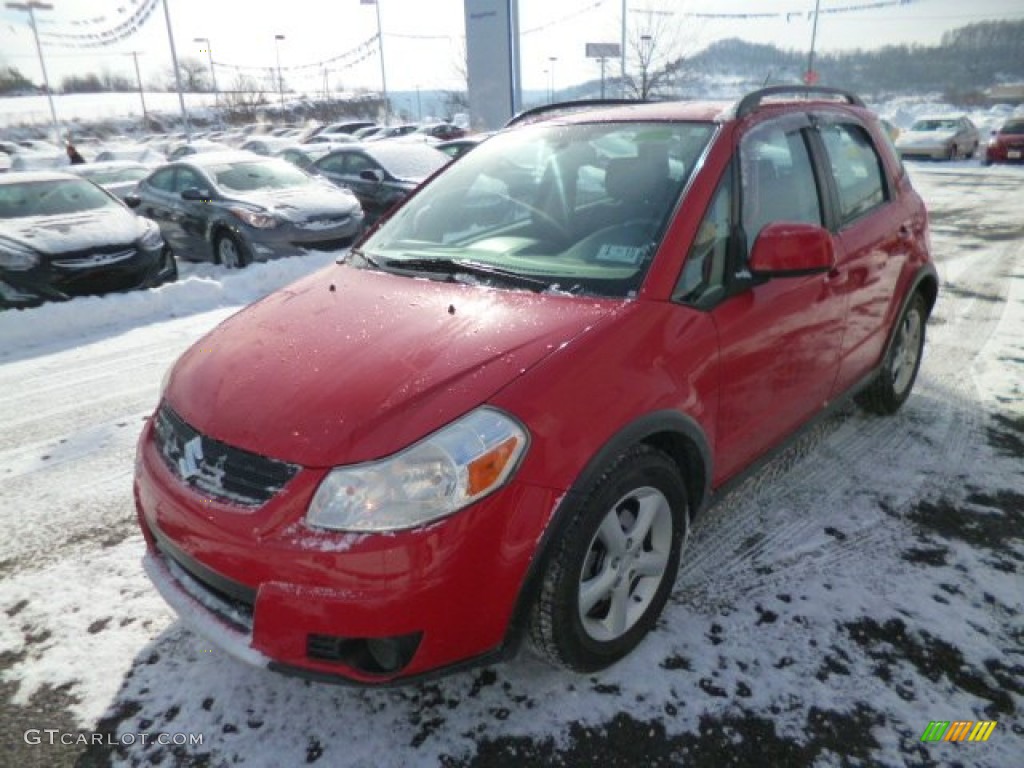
(142, 94)
(213, 72)
(31, 8)
(645, 63)
(280, 80)
(380, 47)
(177, 74)
(809, 76)
(552, 59)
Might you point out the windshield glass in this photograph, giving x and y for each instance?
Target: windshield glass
(249, 176)
(1013, 126)
(934, 125)
(51, 198)
(114, 175)
(574, 208)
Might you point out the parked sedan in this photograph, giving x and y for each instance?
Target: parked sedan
(1007, 143)
(943, 137)
(236, 207)
(382, 173)
(117, 177)
(62, 236)
(267, 145)
(441, 131)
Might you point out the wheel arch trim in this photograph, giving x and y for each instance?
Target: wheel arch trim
(674, 433)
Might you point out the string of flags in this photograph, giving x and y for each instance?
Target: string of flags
(790, 15)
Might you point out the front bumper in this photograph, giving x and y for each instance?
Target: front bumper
(59, 278)
(269, 590)
(292, 239)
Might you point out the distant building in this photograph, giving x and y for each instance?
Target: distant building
(1009, 93)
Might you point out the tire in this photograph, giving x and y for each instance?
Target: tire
(603, 589)
(895, 380)
(230, 252)
(172, 275)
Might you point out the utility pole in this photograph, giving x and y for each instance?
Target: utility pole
(280, 80)
(31, 8)
(213, 72)
(809, 76)
(383, 71)
(142, 95)
(177, 74)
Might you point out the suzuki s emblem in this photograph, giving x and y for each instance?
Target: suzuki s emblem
(188, 464)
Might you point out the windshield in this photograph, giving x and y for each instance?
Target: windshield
(114, 175)
(934, 125)
(574, 208)
(249, 176)
(51, 198)
(1015, 127)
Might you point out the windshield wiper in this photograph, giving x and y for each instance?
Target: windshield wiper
(365, 258)
(455, 267)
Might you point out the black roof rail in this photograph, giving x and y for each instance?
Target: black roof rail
(568, 106)
(752, 101)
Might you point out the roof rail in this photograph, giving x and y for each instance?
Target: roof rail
(752, 101)
(563, 107)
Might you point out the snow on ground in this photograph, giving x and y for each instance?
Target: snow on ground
(863, 584)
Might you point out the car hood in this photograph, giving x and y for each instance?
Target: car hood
(349, 365)
(925, 137)
(302, 203)
(79, 231)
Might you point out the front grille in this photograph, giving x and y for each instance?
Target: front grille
(94, 259)
(328, 221)
(215, 469)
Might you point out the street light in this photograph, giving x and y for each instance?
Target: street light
(280, 80)
(213, 72)
(31, 8)
(552, 59)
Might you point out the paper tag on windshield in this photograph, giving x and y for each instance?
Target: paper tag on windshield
(620, 254)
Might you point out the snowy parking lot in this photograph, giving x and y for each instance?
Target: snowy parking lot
(864, 583)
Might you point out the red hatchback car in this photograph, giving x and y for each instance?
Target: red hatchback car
(1007, 144)
(497, 418)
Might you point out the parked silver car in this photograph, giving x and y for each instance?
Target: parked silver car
(941, 137)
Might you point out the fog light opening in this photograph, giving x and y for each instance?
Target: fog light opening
(372, 655)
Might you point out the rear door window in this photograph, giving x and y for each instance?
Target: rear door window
(857, 169)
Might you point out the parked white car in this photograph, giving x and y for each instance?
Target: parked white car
(941, 137)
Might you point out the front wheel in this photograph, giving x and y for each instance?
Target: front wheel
(892, 386)
(230, 251)
(608, 579)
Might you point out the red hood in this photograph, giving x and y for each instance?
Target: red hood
(322, 377)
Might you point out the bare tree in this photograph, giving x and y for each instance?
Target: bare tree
(245, 97)
(195, 75)
(657, 46)
(458, 100)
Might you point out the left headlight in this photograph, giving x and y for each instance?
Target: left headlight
(257, 219)
(436, 477)
(151, 239)
(15, 256)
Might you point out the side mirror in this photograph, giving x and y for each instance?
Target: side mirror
(372, 174)
(195, 193)
(132, 200)
(791, 249)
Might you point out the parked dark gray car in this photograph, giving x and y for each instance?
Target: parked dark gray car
(62, 236)
(235, 207)
(380, 174)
